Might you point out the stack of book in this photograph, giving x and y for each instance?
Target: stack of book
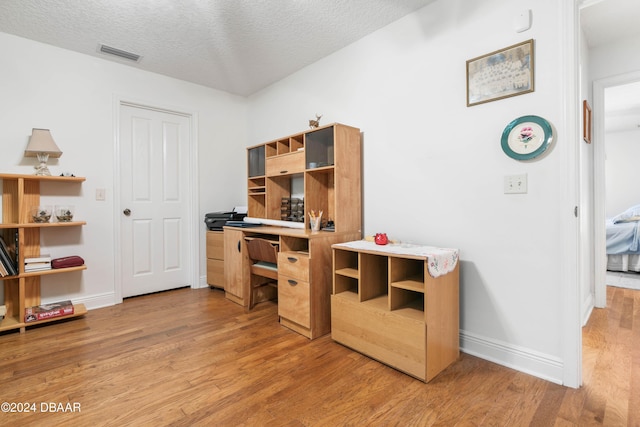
(7, 263)
(48, 311)
(39, 263)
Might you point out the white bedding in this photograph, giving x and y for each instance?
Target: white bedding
(623, 262)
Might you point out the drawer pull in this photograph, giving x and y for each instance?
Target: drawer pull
(292, 259)
(284, 171)
(239, 248)
(292, 282)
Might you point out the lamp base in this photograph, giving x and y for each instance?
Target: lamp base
(42, 169)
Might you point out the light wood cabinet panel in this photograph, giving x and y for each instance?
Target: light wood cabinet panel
(215, 258)
(386, 305)
(294, 264)
(235, 264)
(215, 273)
(294, 300)
(285, 164)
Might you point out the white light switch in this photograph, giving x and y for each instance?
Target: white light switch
(515, 184)
(100, 194)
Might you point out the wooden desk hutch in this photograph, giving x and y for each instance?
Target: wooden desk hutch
(326, 163)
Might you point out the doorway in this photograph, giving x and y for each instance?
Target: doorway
(599, 158)
(154, 201)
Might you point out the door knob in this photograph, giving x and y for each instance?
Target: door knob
(127, 212)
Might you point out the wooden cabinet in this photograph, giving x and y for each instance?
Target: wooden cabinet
(215, 259)
(304, 274)
(236, 266)
(19, 194)
(387, 305)
(323, 163)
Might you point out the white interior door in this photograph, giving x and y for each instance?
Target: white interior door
(154, 201)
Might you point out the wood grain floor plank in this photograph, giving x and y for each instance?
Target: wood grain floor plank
(192, 358)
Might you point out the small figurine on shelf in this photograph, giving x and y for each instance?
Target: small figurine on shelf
(315, 123)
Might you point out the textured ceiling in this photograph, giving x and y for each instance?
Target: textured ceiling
(605, 21)
(242, 46)
(238, 46)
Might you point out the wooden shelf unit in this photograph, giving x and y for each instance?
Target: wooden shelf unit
(19, 194)
(327, 160)
(386, 305)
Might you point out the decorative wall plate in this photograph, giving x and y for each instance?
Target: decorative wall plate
(527, 137)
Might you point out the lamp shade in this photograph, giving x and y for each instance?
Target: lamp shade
(41, 142)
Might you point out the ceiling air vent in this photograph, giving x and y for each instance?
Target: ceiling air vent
(121, 53)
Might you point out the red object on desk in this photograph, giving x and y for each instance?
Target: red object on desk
(381, 239)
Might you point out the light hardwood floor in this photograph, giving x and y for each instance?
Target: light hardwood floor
(190, 357)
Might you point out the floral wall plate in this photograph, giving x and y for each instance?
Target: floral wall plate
(526, 137)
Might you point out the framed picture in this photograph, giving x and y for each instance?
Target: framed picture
(586, 122)
(501, 74)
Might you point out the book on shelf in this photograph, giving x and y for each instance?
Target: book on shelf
(7, 259)
(39, 258)
(3, 270)
(37, 266)
(48, 311)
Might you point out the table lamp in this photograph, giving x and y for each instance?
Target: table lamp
(42, 146)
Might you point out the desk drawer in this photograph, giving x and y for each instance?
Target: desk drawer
(293, 300)
(215, 244)
(285, 164)
(294, 264)
(215, 272)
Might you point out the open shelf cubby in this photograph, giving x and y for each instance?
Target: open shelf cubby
(321, 166)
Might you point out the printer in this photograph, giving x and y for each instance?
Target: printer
(216, 220)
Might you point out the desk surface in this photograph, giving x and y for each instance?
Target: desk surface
(286, 231)
(441, 260)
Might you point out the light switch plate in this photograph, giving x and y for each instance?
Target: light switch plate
(515, 184)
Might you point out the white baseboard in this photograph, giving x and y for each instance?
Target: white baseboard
(587, 308)
(531, 362)
(202, 283)
(97, 301)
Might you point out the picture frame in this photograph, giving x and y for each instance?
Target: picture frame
(587, 123)
(501, 74)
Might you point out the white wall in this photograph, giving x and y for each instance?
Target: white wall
(621, 176)
(73, 95)
(618, 57)
(434, 168)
